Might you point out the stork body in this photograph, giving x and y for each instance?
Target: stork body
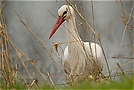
(79, 57)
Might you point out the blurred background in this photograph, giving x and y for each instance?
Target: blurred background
(108, 23)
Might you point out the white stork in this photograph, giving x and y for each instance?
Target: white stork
(80, 58)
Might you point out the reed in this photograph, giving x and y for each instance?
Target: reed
(12, 78)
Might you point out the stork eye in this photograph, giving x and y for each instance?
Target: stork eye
(64, 13)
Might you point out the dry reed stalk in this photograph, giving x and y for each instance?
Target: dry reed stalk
(95, 35)
(7, 41)
(7, 66)
(32, 84)
(44, 46)
(48, 74)
(121, 68)
(126, 23)
(19, 53)
(126, 28)
(7, 72)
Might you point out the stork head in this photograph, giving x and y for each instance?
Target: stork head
(64, 13)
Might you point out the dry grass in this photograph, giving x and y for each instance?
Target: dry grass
(9, 73)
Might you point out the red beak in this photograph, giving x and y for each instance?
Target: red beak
(59, 21)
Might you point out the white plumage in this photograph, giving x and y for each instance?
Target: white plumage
(80, 58)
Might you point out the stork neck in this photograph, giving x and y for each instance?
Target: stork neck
(73, 37)
(72, 33)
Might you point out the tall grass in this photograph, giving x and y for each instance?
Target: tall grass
(11, 77)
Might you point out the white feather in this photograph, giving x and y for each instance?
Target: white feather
(79, 57)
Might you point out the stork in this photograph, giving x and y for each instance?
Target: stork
(80, 58)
